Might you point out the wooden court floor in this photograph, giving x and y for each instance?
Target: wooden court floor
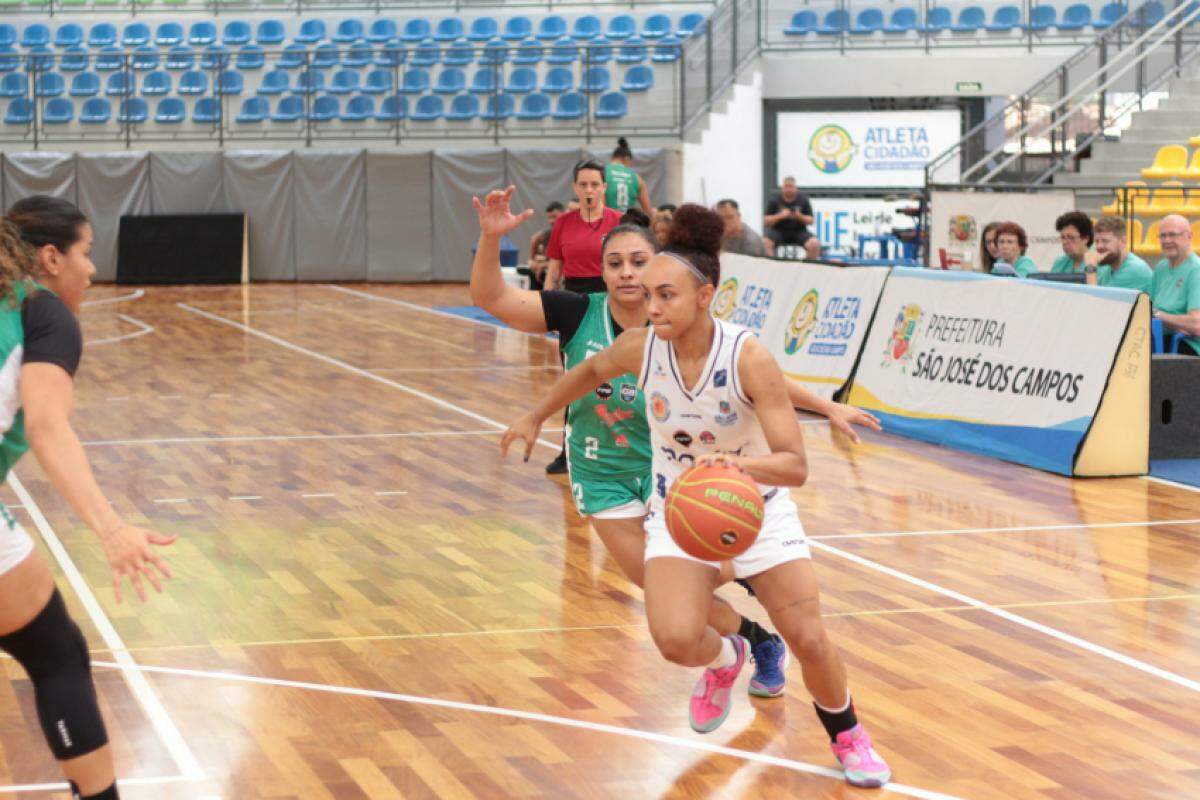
(370, 603)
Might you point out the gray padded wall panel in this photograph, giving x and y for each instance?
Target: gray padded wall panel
(331, 225)
(186, 183)
(111, 185)
(457, 175)
(27, 174)
(540, 176)
(399, 220)
(260, 184)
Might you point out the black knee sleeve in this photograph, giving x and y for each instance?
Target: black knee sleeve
(54, 653)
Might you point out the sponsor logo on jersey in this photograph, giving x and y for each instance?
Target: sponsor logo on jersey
(670, 454)
(659, 407)
(684, 438)
(720, 378)
(726, 416)
(628, 392)
(706, 437)
(690, 415)
(604, 391)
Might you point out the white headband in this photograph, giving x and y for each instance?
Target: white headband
(692, 267)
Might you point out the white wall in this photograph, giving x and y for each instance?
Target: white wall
(727, 161)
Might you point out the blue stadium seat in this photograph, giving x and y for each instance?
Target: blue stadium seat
(251, 57)
(277, 81)
(75, 59)
(215, 56)
(1150, 14)
(193, 82)
(869, 21)
(202, 33)
(499, 107)
(156, 83)
(551, 28)
(96, 111)
(667, 50)
(294, 57)
(236, 32)
(102, 34)
(417, 30)
(571, 105)
(358, 55)
(656, 26)
(689, 25)
(483, 81)
(290, 109)
(360, 109)
(207, 111)
(230, 82)
(14, 84)
(595, 80)
(1075, 18)
(463, 108)
(392, 109)
(68, 35)
(133, 111)
(1043, 18)
(20, 112)
(558, 80)
(311, 31)
(120, 84)
(10, 60)
(379, 81)
(459, 54)
(344, 82)
(348, 31)
(270, 32)
(136, 34)
(326, 56)
(254, 110)
(529, 52)
(1109, 14)
(8, 35)
(450, 81)
(416, 81)
(1005, 19)
(971, 19)
(535, 106)
(180, 58)
(85, 84)
(58, 111)
(612, 106)
(428, 109)
(638, 79)
(939, 19)
(35, 35)
(483, 29)
(449, 29)
(381, 30)
(168, 34)
(521, 80)
(494, 52)
(597, 51)
(40, 58)
(145, 58)
(426, 55)
(633, 51)
(564, 51)
(324, 109)
(170, 111)
(517, 29)
(50, 84)
(587, 27)
(622, 26)
(803, 23)
(836, 21)
(309, 81)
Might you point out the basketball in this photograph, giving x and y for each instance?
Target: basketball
(714, 512)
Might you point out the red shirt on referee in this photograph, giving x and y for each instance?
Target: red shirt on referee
(576, 240)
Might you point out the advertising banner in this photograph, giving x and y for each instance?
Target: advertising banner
(839, 221)
(957, 219)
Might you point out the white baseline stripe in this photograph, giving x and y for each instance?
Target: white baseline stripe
(1014, 529)
(1054, 633)
(143, 326)
(134, 295)
(1176, 484)
(356, 370)
(566, 722)
(427, 310)
(171, 738)
(298, 437)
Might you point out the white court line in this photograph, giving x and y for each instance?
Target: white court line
(171, 738)
(1054, 633)
(298, 437)
(566, 722)
(357, 371)
(59, 787)
(389, 494)
(427, 310)
(319, 494)
(1014, 529)
(171, 500)
(246, 497)
(144, 330)
(547, 368)
(1167, 482)
(134, 295)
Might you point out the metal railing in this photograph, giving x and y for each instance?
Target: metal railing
(218, 7)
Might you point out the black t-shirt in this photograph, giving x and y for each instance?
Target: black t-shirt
(543, 241)
(52, 333)
(565, 312)
(790, 226)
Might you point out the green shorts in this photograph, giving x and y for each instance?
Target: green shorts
(619, 499)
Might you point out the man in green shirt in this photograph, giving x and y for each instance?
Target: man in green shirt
(1075, 233)
(1176, 290)
(1118, 266)
(623, 186)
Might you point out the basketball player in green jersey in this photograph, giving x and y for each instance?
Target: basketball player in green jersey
(625, 188)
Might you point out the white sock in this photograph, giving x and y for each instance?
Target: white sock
(726, 658)
(845, 705)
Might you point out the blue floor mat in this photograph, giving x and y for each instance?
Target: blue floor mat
(479, 315)
(1180, 470)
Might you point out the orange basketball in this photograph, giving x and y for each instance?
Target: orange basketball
(714, 512)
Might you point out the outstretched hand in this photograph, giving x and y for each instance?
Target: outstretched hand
(844, 417)
(495, 216)
(526, 429)
(130, 553)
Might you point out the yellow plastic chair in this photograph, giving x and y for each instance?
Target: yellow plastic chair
(1192, 207)
(1168, 199)
(1169, 162)
(1150, 247)
(1192, 173)
(1133, 233)
(1194, 141)
(1196, 236)
(1139, 194)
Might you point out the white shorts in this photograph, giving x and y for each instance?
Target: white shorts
(780, 540)
(630, 510)
(15, 543)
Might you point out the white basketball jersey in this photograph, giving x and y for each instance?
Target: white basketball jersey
(714, 416)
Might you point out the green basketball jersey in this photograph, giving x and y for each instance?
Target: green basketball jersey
(622, 191)
(12, 347)
(608, 437)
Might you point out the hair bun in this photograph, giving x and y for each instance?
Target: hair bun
(635, 216)
(696, 228)
(623, 143)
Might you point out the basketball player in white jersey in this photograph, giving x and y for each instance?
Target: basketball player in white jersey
(715, 394)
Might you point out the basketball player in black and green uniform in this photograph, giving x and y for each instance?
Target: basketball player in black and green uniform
(624, 188)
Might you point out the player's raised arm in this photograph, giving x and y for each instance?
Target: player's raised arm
(520, 308)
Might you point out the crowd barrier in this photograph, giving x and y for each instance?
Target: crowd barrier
(1053, 376)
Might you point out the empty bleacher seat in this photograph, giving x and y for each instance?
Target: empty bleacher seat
(564, 51)
(1150, 14)
(459, 54)
(1076, 17)
(133, 111)
(311, 31)
(102, 34)
(294, 56)
(344, 82)
(587, 27)
(612, 106)
(348, 31)
(529, 52)
(40, 58)
(463, 107)
(254, 110)
(1192, 173)
(1169, 162)
(230, 82)
(381, 30)
(417, 30)
(450, 81)
(379, 81)
(483, 29)
(19, 112)
(251, 57)
(689, 25)
(326, 56)
(392, 109)
(1042, 18)
(170, 111)
(902, 21)
(483, 81)
(868, 21)
(494, 52)
(638, 79)
(517, 29)
(58, 111)
(202, 33)
(193, 82)
(449, 29)
(120, 84)
(145, 58)
(290, 109)
(391, 54)
(136, 34)
(1006, 18)
(236, 32)
(971, 19)
(85, 84)
(597, 51)
(551, 28)
(835, 23)
(180, 58)
(667, 50)
(8, 35)
(595, 80)
(207, 111)
(156, 83)
(499, 107)
(416, 81)
(803, 23)
(535, 106)
(324, 109)
(359, 109)
(310, 81)
(633, 51)
(68, 35)
(570, 105)
(656, 26)
(558, 80)
(276, 81)
(9, 59)
(1169, 198)
(168, 34)
(215, 56)
(14, 84)
(35, 35)
(1109, 14)
(96, 111)
(521, 80)
(939, 19)
(50, 84)
(269, 32)
(427, 54)
(622, 26)
(428, 109)
(358, 55)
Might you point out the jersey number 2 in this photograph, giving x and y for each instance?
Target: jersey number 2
(590, 445)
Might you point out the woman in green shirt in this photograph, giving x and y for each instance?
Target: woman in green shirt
(1076, 236)
(1012, 242)
(623, 188)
